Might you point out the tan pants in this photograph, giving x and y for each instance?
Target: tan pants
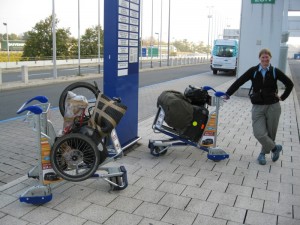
(265, 119)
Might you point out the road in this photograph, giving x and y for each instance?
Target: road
(12, 75)
(11, 100)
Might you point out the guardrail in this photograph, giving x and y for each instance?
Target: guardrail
(145, 63)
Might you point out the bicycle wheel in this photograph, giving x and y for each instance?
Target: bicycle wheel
(75, 157)
(79, 88)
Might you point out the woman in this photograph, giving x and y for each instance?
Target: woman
(266, 108)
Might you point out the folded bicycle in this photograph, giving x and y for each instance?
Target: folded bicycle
(79, 154)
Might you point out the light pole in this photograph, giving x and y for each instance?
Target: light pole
(151, 44)
(209, 17)
(157, 40)
(54, 40)
(7, 42)
(158, 45)
(169, 22)
(161, 11)
(79, 73)
(99, 36)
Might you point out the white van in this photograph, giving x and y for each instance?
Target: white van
(224, 56)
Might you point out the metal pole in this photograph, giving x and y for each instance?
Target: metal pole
(151, 43)
(79, 37)
(169, 33)
(141, 38)
(7, 42)
(160, 32)
(54, 40)
(99, 66)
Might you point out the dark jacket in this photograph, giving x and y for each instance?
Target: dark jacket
(264, 89)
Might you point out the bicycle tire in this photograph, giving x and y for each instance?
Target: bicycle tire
(75, 157)
(88, 90)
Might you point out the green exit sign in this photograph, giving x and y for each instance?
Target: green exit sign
(263, 1)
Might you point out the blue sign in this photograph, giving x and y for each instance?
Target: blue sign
(121, 61)
(144, 52)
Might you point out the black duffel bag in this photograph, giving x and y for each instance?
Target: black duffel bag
(178, 110)
(198, 96)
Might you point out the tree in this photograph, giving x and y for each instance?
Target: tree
(89, 41)
(39, 40)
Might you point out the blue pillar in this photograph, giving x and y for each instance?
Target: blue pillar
(121, 61)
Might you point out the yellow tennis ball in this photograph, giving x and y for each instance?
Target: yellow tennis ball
(195, 123)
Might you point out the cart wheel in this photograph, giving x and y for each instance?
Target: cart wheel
(158, 151)
(75, 157)
(120, 180)
(79, 88)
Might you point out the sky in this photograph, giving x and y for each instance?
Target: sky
(188, 20)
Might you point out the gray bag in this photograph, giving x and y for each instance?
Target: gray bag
(178, 110)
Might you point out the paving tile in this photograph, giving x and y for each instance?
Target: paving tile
(72, 206)
(246, 173)
(97, 213)
(202, 207)
(287, 221)
(296, 189)
(290, 179)
(123, 218)
(268, 176)
(257, 218)
(9, 220)
(17, 209)
(6, 200)
(256, 183)
(101, 197)
(208, 175)
(149, 195)
(41, 215)
(78, 191)
(296, 212)
(231, 179)
(150, 210)
(147, 221)
(239, 190)
(249, 203)
(280, 187)
(125, 204)
(148, 183)
(168, 176)
(174, 201)
(214, 185)
(289, 199)
(195, 192)
(206, 220)
(179, 217)
(222, 198)
(172, 188)
(191, 181)
(67, 219)
(230, 213)
(146, 172)
(278, 209)
(187, 170)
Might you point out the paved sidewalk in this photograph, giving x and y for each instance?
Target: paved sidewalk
(182, 187)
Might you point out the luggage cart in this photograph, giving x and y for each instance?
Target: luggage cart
(206, 143)
(76, 168)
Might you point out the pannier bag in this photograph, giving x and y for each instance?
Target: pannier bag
(178, 110)
(106, 114)
(198, 96)
(75, 106)
(196, 127)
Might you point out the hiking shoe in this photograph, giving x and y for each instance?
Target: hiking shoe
(275, 153)
(262, 159)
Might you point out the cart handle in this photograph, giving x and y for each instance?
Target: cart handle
(33, 108)
(217, 93)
